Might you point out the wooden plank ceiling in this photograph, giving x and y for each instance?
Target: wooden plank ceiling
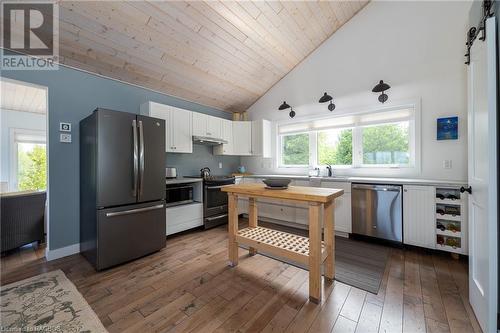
(223, 54)
(22, 98)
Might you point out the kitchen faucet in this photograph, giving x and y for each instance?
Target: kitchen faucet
(329, 168)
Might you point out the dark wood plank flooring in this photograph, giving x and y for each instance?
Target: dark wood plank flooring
(187, 287)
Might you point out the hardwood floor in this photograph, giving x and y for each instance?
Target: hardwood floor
(188, 287)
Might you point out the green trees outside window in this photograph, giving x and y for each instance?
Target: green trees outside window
(32, 167)
(295, 149)
(386, 144)
(335, 147)
(382, 144)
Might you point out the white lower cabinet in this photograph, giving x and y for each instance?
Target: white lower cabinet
(419, 215)
(342, 213)
(342, 209)
(298, 212)
(185, 217)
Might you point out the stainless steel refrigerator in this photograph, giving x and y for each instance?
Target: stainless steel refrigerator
(122, 187)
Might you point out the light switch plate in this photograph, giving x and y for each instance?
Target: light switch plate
(65, 127)
(447, 164)
(220, 165)
(65, 138)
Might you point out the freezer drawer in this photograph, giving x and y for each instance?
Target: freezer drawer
(130, 232)
(377, 211)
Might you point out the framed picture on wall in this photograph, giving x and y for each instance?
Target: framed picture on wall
(447, 128)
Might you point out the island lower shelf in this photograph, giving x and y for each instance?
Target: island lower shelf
(278, 243)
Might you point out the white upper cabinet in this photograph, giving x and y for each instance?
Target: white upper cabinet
(178, 126)
(261, 138)
(207, 126)
(419, 215)
(214, 127)
(246, 138)
(180, 131)
(242, 138)
(227, 135)
(199, 124)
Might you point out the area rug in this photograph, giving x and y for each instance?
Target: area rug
(47, 302)
(357, 263)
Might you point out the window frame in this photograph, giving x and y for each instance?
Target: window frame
(357, 167)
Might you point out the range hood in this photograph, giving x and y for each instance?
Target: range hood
(204, 140)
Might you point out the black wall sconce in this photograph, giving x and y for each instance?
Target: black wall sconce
(327, 98)
(381, 87)
(285, 106)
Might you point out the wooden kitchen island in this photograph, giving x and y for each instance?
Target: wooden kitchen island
(310, 251)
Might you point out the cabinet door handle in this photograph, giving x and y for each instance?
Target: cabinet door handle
(466, 189)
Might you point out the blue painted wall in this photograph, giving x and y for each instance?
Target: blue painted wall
(190, 164)
(73, 95)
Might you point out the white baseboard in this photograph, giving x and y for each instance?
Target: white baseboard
(62, 252)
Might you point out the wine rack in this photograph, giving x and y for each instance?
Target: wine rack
(451, 220)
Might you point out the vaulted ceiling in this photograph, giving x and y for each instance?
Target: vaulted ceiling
(223, 54)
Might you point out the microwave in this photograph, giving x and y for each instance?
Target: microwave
(178, 194)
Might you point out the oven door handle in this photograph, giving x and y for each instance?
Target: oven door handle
(178, 187)
(216, 217)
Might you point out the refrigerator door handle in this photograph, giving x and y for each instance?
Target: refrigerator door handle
(136, 158)
(141, 159)
(134, 211)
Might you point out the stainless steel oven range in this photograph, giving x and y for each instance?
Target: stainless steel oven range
(215, 210)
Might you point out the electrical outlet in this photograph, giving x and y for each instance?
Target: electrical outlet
(220, 165)
(65, 138)
(447, 164)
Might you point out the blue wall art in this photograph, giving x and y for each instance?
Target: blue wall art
(447, 128)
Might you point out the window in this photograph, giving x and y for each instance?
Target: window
(335, 147)
(29, 160)
(378, 139)
(295, 150)
(386, 144)
(31, 166)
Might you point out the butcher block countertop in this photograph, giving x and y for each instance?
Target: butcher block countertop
(296, 193)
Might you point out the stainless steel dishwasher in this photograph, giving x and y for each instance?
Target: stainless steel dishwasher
(377, 211)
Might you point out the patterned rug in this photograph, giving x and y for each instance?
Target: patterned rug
(47, 302)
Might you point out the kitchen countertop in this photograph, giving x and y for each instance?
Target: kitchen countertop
(377, 180)
(182, 180)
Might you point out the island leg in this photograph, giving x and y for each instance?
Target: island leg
(314, 253)
(233, 229)
(252, 220)
(329, 226)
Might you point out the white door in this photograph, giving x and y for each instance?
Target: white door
(482, 179)
(419, 215)
(181, 131)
